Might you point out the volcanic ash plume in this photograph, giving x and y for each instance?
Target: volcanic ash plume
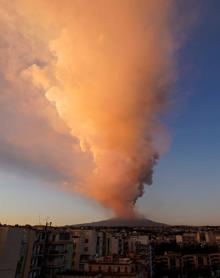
(108, 76)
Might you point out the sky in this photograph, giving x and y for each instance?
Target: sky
(185, 187)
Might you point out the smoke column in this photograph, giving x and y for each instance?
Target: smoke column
(106, 67)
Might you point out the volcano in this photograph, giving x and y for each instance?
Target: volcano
(123, 222)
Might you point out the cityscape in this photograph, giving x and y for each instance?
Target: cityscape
(92, 250)
(109, 138)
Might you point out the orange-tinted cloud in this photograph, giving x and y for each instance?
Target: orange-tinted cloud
(97, 74)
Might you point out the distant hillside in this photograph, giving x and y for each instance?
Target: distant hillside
(120, 222)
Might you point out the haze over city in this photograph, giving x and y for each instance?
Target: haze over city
(109, 109)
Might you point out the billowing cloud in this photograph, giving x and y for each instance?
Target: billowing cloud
(83, 84)
(33, 138)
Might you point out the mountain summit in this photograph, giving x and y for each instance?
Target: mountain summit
(122, 222)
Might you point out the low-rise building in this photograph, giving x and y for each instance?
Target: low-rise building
(114, 266)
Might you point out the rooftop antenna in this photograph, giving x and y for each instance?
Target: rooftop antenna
(47, 220)
(39, 219)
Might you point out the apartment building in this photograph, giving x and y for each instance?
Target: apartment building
(15, 251)
(52, 252)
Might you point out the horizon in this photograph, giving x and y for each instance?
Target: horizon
(93, 223)
(48, 155)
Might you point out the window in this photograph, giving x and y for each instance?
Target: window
(172, 262)
(200, 260)
(33, 274)
(64, 236)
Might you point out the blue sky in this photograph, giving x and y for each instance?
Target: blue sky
(186, 188)
(186, 185)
